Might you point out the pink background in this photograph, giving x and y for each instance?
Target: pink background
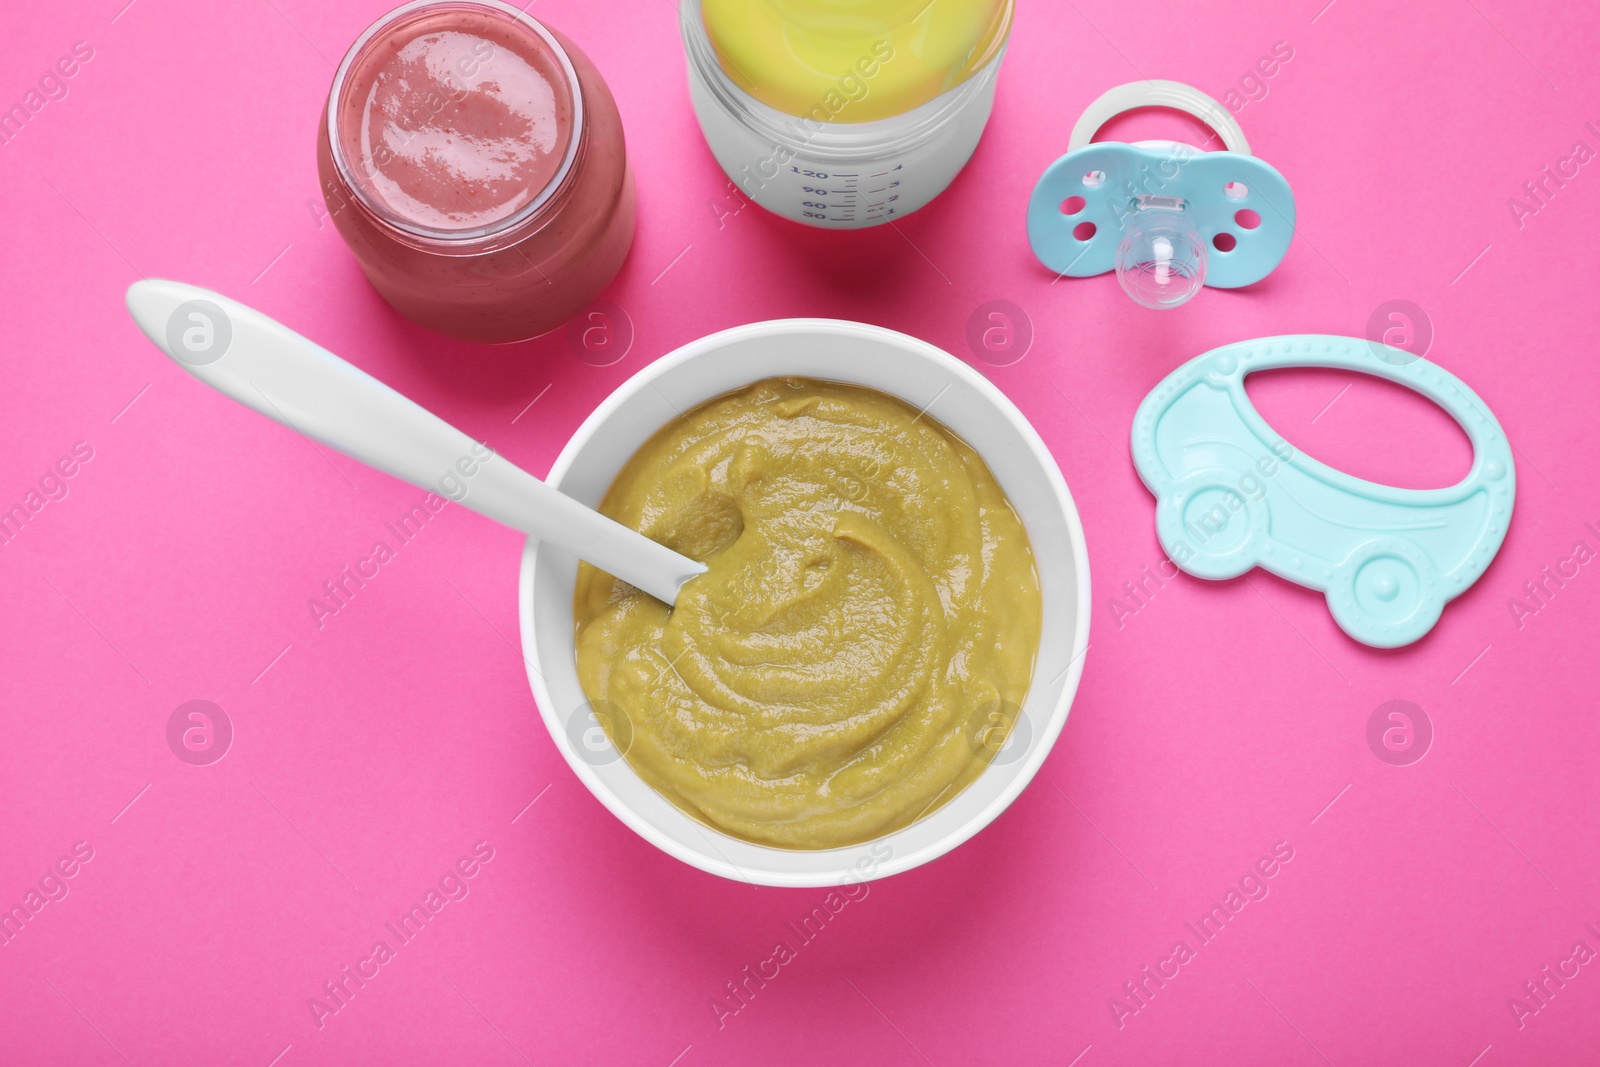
(370, 755)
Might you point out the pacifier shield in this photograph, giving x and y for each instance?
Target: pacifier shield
(1241, 209)
(1102, 180)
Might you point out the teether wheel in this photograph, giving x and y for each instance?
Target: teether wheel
(1209, 526)
(1385, 593)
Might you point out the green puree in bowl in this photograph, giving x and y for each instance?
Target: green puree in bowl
(863, 635)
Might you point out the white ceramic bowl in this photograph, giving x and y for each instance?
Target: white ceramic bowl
(924, 377)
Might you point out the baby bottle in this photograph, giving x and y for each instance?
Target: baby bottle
(843, 113)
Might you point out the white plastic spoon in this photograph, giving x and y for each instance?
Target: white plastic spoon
(266, 366)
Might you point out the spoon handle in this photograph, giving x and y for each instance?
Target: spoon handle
(266, 366)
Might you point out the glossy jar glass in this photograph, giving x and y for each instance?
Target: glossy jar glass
(473, 159)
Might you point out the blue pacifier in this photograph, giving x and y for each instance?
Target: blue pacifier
(1169, 217)
(1231, 494)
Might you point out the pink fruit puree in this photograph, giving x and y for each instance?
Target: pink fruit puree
(454, 129)
(474, 161)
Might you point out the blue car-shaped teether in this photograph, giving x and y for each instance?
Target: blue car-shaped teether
(1232, 495)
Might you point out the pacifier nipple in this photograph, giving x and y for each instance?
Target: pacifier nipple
(1161, 261)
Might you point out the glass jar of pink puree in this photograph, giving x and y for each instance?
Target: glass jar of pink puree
(473, 160)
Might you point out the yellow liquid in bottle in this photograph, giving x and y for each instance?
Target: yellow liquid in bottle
(853, 60)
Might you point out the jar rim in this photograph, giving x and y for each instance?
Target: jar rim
(385, 215)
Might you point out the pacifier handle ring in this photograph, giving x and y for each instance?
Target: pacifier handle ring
(1159, 93)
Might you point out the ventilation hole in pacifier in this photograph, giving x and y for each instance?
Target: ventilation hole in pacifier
(1094, 178)
(1224, 242)
(1072, 205)
(1083, 231)
(1247, 219)
(1236, 190)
